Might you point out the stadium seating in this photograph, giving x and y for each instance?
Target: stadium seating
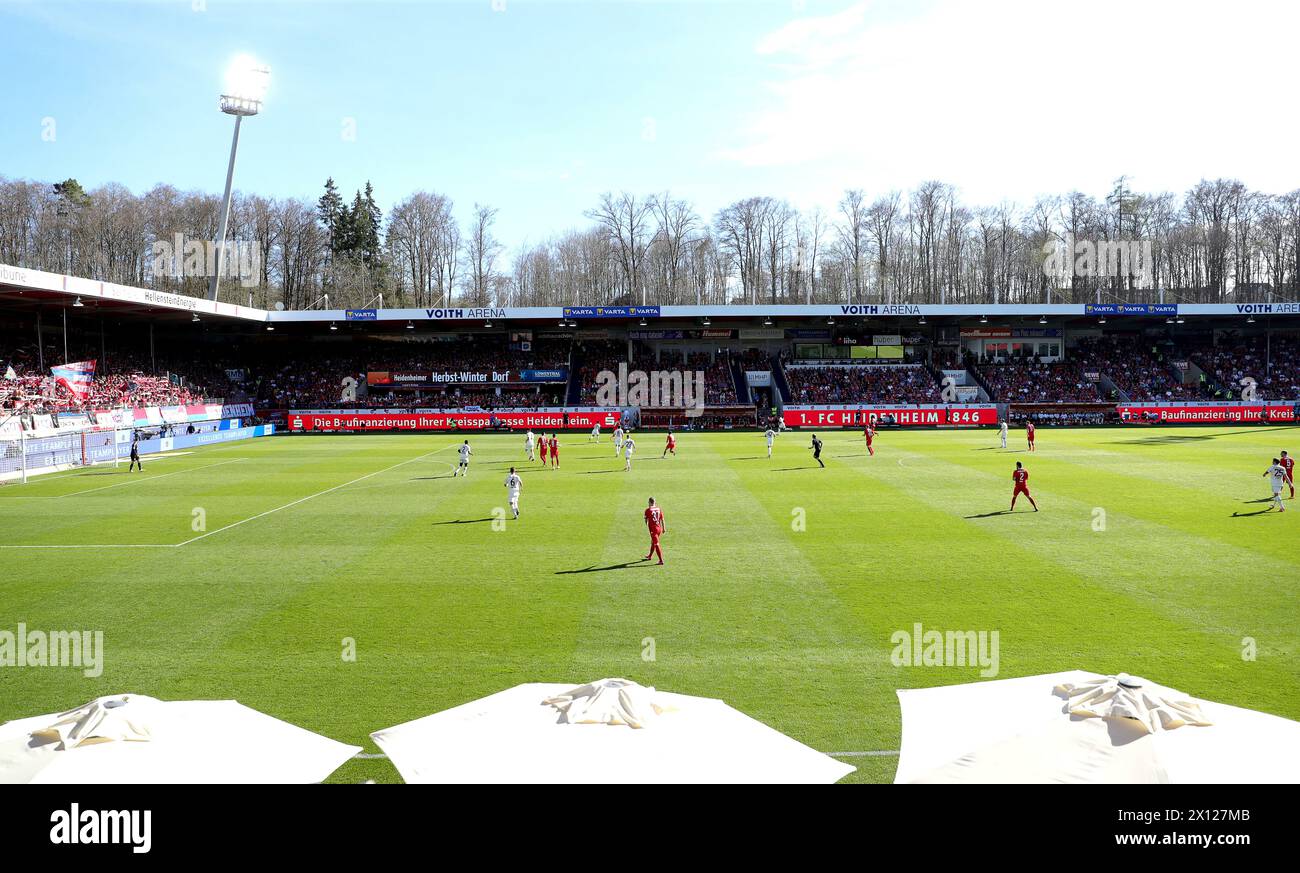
(1137, 365)
(283, 373)
(1274, 366)
(1032, 381)
(1143, 369)
(41, 394)
(602, 356)
(862, 383)
(314, 378)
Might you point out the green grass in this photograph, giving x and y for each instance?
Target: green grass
(790, 626)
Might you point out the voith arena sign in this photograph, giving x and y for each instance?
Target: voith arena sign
(463, 313)
(879, 309)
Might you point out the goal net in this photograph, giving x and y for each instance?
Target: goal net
(22, 455)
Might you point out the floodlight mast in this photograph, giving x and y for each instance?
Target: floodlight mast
(247, 83)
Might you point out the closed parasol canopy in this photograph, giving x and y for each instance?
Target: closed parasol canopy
(610, 731)
(1078, 727)
(131, 738)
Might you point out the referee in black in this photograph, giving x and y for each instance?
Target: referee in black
(135, 454)
(817, 450)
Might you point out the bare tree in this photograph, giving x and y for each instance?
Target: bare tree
(779, 218)
(482, 250)
(676, 222)
(882, 227)
(624, 218)
(852, 233)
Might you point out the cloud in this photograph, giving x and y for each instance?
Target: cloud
(1005, 93)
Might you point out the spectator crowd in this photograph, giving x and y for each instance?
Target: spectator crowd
(1032, 381)
(862, 383)
(1275, 366)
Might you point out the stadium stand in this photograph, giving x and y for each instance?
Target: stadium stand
(315, 377)
(123, 377)
(862, 383)
(1274, 366)
(1136, 365)
(281, 371)
(606, 355)
(1038, 382)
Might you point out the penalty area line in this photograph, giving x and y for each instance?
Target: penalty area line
(220, 529)
(311, 497)
(137, 481)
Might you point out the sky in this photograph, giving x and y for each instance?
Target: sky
(536, 108)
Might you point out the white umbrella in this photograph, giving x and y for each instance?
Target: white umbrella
(132, 739)
(1083, 727)
(612, 731)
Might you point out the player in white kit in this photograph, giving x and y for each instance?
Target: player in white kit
(770, 436)
(528, 444)
(513, 484)
(595, 434)
(462, 468)
(629, 446)
(1002, 432)
(618, 440)
(1277, 474)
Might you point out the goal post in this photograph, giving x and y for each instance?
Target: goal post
(26, 452)
(98, 446)
(13, 456)
(23, 454)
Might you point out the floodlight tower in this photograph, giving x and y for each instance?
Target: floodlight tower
(246, 83)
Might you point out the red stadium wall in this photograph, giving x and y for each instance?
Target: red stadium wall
(364, 420)
(906, 416)
(1222, 413)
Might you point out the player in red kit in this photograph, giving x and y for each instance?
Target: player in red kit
(555, 450)
(671, 446)
(869, 434)
(1021, 477)
(654, 522)
(1029, 434)
(1288, 463)
(542, 448)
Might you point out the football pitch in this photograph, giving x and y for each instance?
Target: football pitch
(255, 570)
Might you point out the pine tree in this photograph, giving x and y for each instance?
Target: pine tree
(358, 221)
(372, 220)
(328, 209)
(71, 193)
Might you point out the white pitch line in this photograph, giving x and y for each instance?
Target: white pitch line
(92, 546)
(878, 753)
(311, 496)
(135, 481)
